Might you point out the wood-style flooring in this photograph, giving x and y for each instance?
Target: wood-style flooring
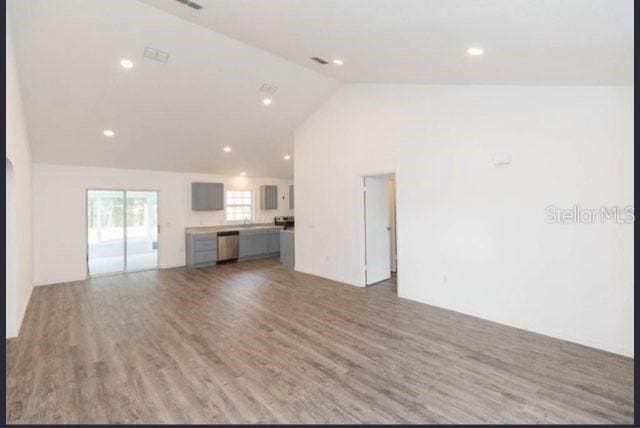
(255, 343)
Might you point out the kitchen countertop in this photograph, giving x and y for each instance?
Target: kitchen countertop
(288, 231)
(224, 228)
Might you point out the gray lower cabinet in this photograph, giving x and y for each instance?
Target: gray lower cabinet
(245, 246)
(201, 249)
(205, 245)
(268, 197)
(287, 249)
(260, 244)
(273, 245)
(204, 257)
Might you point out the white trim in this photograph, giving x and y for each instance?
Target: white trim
(554, 333)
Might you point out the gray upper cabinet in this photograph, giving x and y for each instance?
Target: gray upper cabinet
(268, 197)
(291, 197)
(207, 196)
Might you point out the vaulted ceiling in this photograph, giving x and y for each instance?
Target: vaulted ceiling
(178, 115)
(174, 116)
(526, 42)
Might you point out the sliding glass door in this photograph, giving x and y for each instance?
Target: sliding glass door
(105, 235)
(142, 230)
(122, 231)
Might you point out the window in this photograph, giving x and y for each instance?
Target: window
(238, 205)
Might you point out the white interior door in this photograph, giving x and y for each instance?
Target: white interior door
(376, 208)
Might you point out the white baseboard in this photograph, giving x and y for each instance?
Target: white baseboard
(342, 281)
(556, 334)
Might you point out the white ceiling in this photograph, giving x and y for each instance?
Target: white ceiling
(178, 116)
(175, 116)
(530, 42)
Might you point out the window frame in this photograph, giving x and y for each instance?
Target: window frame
(228, 205)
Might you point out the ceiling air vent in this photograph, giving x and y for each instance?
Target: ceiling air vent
(319, 60)
(191, 4)
(268, 88)
(156, 55)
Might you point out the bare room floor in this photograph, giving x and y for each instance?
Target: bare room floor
(253, 342)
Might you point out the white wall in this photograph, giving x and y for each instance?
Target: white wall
(19, 278)
(59, 218)
(472, 236)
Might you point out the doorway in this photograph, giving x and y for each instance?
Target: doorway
(380, 228)
(122, 231)
(393, 240)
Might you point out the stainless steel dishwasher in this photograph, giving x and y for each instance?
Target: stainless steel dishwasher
(228, 245)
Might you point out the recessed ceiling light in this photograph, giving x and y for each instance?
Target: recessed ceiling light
(338, 61)
(287, 157)
(266, 101)
(243, 174)
(475, 51)
(108, 133)
(126, 64)
(227, 149)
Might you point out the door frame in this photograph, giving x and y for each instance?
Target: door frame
(86, 229)
(392, 223)
(362, 219)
